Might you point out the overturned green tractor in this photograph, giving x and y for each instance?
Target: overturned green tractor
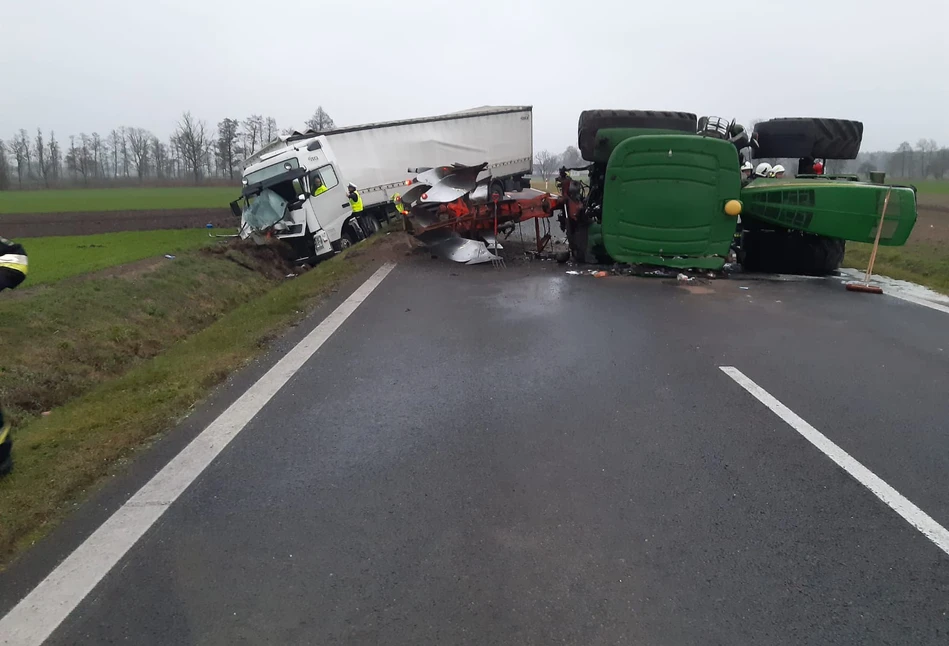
(666, 189)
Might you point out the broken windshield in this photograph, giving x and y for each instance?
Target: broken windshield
(273, 170)
(265, 211)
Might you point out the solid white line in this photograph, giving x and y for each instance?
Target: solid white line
(919, 301)
(38, 614)
(897, 502)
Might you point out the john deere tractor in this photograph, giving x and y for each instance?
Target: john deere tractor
(666, 189)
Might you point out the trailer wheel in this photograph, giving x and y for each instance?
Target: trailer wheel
(591, 121)
(790, 252)
(823, 138)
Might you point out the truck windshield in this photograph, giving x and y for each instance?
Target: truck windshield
(272, 171)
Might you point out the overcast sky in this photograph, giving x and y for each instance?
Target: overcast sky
(82, 67)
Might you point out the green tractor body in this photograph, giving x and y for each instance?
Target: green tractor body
(833, 208)
(660, 194)
(664, 200)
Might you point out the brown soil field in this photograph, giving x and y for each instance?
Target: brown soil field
(34, 225)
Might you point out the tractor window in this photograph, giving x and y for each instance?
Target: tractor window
(324, 176)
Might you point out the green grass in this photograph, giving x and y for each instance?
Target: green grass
(540, 185)
(118, 361)
(923, 263)
(925, 186)
(55, 258)
(116, 199)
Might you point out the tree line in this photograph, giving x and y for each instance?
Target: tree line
(926, 160)
(193, 154)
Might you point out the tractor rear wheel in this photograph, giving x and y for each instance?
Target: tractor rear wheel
(790, 252)
(823, 138)
(591, 121)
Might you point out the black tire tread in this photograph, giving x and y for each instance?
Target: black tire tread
(790, 252)
(591, 121)
(809, 137)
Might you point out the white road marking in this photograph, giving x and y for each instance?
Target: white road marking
(896, 501)
(40, 612)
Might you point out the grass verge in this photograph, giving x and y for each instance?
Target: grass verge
(60, 457)
(921, 262)
(57, 257)
(116, 199)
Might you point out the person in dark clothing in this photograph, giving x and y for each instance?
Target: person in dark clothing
(13, 269)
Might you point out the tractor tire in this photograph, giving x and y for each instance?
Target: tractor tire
(816, 138)
(790, 252)
(591, 121)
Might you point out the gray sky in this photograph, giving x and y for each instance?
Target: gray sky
(73, 66)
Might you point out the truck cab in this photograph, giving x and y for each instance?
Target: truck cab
(298, 194)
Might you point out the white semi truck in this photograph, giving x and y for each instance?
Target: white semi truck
(295, 187)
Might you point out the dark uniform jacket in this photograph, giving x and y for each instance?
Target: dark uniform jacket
(13, 264)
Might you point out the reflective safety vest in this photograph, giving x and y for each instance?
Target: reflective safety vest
(13, 264)
(355, 199)
(321, 189)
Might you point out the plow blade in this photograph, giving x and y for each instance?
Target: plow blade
(450, 246)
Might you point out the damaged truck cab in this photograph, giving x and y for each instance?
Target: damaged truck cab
(297, 194)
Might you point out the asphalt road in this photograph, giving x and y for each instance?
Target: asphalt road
(518, 456)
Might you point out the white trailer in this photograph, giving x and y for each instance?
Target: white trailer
(305, 173)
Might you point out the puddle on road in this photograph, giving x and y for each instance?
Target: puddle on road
(900, 289)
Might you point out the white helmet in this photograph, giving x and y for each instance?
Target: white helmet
(777, 171)
(763, 169)
(350, 185)
(747, 166)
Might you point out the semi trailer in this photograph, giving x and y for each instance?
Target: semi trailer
(295, 188)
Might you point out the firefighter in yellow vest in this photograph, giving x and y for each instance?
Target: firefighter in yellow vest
(13, 269)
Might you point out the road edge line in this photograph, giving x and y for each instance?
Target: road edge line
(896, 501)
(34, 618)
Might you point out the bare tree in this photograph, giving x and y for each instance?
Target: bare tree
(138, 145)
(160, 157)
(41, 157)
(4, 167)
(571, 157)
(545, 163)
(72, 158)
(21, 153)
(227, 146)
(115, 140)
(27, 152)
(54, 157)
(270, 131)
(904, 151)
(192, 141)
(253, 126)
(922, 145)
(320, 121)
(95, 145)
(78, 159)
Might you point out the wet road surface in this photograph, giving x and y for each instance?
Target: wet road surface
(519, 456)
